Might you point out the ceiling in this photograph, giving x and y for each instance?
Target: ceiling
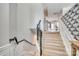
(55, 7)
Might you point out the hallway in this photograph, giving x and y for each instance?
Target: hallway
(53, 44)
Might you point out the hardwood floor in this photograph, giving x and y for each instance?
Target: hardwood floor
(53, 44)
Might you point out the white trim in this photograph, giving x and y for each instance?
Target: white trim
(4, 50)
(5, 46)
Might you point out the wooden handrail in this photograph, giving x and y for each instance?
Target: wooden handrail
(75, 47)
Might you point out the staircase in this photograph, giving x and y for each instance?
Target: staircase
(69, 28)
(26, 48)
(22, 48)
(53, 44)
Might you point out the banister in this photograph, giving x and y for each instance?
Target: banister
(15, 39)
(39, 23)
(39, 36)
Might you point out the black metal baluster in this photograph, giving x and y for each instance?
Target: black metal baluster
(39, 36)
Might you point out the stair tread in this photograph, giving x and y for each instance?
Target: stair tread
(53, 45)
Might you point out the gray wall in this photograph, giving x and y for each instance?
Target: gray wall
(12, 20)
(4, 24)
(24, 21)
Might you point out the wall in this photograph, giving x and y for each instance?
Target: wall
(8, 28)
(12, 20)
(65, 9)
(20, 21)
(23, 17)
(24, 21)
(16, 20)
(4, 24)
(37, 14)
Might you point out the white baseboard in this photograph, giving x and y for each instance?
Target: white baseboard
(4, 50)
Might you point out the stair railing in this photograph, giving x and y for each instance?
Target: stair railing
(70, 21)
(39, 36)
(15, 39)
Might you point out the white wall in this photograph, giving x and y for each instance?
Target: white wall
(66, 9)
(37, 14)
(16, 20)
(12, 20)
(20, 21)
(24, 21)
(4, 24)
(22, 18)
